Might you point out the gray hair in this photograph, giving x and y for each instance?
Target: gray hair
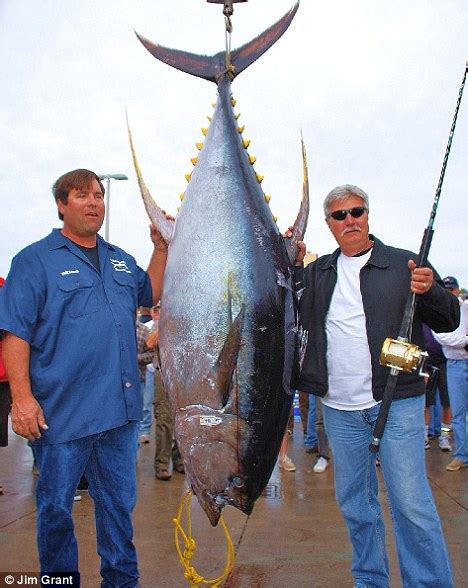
(343, 192)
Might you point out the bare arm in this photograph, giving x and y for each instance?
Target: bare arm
(27, 418)
(157, 264)
(153, 339)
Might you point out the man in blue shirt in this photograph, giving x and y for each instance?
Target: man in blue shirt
(68, 316)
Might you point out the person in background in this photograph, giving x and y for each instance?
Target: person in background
(149, 388)
(145, 358)
(67, 312)
(455, 348)
(166, 446)
(353, 299)
(323, 449)
(436, 393)
(5, 398)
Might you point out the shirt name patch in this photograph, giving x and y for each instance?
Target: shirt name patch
(68, 272)
(120, 266)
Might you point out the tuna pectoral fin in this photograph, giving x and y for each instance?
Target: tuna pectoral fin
(300, 225)
(223, 370)
(157, 216)
(211, 67)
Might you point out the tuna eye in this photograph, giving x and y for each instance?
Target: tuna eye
(237, 482)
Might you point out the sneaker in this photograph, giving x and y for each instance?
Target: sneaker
(77, 497)
(427, 445)
(163, 474)
(455, 465)
(144, 439)
(287, 464)
(444, 443)
(446, 428)
(321, 465)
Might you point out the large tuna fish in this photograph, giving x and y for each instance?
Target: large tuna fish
(227, 328)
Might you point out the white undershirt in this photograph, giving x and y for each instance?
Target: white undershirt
(348, 355)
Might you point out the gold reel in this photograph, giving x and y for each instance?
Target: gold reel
(402, 355)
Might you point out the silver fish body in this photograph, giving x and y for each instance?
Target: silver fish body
(228, 323)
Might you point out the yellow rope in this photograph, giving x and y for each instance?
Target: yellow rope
(185, 556)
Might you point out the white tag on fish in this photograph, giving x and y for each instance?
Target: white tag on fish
(210, 421)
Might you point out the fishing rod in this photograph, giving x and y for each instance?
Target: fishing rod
(400, 354)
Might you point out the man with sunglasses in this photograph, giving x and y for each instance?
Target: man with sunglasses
(352, 300)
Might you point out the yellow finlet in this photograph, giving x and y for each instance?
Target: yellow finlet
(267, 198)
(188, 177)
(194, 160)
(252, 159)
(241, 129)
(182, 197)
(213, 104)
(204, 131)
(237, 116)
(246, 143)
(233, 102)
(199, 146)
(275, 218)
(259, 178)
(209, 118)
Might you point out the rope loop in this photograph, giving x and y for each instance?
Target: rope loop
(190, 573)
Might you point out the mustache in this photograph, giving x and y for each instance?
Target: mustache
(351, 229)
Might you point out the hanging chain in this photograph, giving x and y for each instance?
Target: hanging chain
(228, 11)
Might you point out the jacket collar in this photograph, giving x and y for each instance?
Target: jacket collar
(379, 256)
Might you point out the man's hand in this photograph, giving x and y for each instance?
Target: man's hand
(27, 418)
(301, 247)
(422, 278)
(156, 238)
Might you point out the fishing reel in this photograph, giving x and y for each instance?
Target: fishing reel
(401, 355)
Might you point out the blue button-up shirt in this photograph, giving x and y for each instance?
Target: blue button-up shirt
(80, 325)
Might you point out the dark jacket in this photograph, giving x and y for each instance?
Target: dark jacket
(385, 284)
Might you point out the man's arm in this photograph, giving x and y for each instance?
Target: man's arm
(27, 418)
(157, 264)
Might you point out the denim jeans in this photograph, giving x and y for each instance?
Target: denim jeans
(435, 421)
(457, 379)
(310, 440)
(421, 548)
(148, 400)
(108, 460)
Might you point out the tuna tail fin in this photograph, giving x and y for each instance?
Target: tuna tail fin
(300, 225)
(157, 216)
(212, 67)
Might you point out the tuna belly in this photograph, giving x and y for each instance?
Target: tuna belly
(213, 444)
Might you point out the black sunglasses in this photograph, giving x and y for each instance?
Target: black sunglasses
(340, 215)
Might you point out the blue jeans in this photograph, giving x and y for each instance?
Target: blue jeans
(310, 440)
(108, 460)
(457, 379)
(435, 421)
(148, 400)
(421, 548)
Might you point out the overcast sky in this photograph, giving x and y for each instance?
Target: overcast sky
(372, 84)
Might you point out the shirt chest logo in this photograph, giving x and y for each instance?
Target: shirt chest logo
(120, 266)
(68, 272)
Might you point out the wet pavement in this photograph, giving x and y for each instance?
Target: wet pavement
(294, 538)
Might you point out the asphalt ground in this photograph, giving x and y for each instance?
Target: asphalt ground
(294, 538)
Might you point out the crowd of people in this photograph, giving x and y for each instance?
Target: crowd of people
(67, 290)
